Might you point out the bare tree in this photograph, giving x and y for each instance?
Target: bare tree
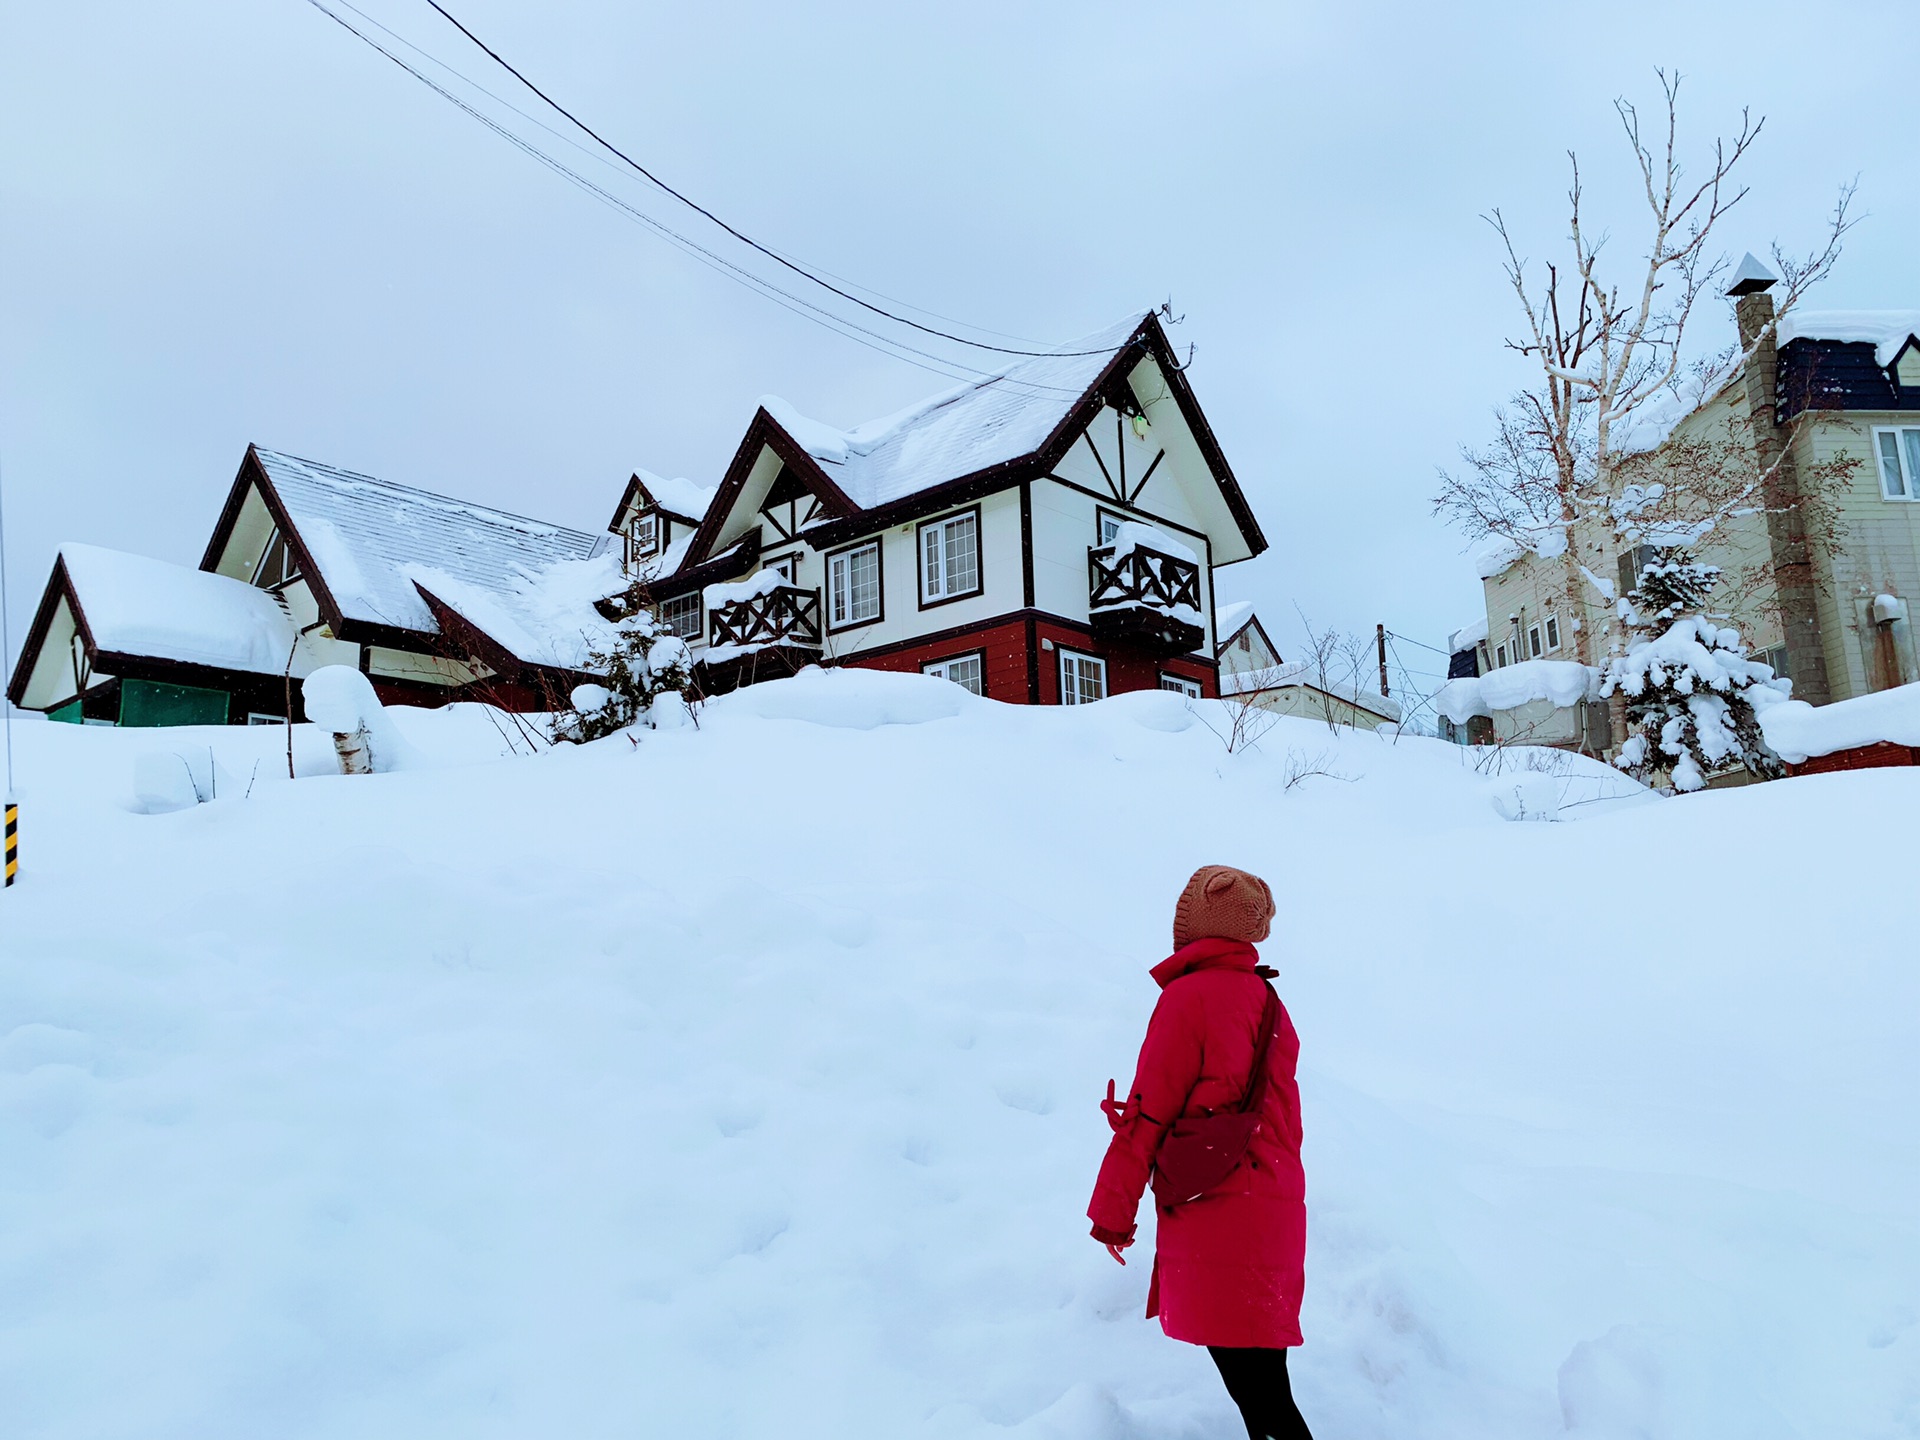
(1612, 355)
(1339, 664)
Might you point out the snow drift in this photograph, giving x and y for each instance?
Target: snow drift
(615, 1091)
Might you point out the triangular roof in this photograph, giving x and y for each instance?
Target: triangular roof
(678, 499)
(358, 538)
(963, 442)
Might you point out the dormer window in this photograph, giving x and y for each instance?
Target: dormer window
(643, 536)
(277, 565)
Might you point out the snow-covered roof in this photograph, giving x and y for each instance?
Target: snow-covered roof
(1228, 619)
(1467, 636)
(959, 431)
(133, 605)
(1561, 682)
(678, 496)
(1886, 330)
(1300, 674)
(366, 534)
(545, 617)
(1798, 731)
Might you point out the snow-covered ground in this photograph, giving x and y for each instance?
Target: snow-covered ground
(743, 1083)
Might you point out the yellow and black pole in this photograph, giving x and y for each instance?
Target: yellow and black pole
(13, 839)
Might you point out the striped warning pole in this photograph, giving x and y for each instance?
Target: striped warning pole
(13, 839)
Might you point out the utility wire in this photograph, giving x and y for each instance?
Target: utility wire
(874, 340)
(1421, 643)
(895, 349)
(739, 235)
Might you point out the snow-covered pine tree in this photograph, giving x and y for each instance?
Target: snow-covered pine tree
(1692, 694)
(642, 666)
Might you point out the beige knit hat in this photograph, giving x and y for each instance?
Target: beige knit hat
(1224, 903)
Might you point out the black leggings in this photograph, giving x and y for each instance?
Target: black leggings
(1257, 1381)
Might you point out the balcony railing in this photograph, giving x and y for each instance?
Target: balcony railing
(783, 615)
(1142, 597)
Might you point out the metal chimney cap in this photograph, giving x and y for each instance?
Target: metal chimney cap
(1752, 278)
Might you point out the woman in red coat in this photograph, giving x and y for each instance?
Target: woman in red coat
(1228, 1266)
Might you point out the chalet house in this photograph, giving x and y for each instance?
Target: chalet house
(1044, 536)
(1830, 394)
(433, 599)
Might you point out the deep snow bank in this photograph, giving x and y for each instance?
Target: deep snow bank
(743, 1082)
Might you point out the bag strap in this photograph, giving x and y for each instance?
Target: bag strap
(1257, 1080)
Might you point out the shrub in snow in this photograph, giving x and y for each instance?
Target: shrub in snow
(341, 700)
(647, 677)
(1692, 695)
(1527, 797)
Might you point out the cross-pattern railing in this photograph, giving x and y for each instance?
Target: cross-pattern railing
(784, 615)
(1141, 577)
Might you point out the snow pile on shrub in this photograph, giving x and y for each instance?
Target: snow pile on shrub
(1798, 731)
(341, 700)
(613, 1091)
(1707, 667)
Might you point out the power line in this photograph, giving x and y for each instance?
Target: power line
(895, 349)
(1421, 643)
(739, 235)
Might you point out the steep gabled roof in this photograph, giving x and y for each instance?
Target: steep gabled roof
(678, 499)
(359, 537)
(965, 441)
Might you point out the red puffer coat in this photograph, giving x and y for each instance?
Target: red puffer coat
(1229, 1267)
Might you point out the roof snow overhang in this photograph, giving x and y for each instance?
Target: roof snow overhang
(850, 521)
(637, 489)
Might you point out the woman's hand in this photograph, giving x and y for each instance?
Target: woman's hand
(1114, 1250)
(1114, 1240)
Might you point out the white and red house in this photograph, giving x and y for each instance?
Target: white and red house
(1044, 536)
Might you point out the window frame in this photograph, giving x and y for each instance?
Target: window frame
(939, 668)
(1907, 475)
(920, 558)
(1552, 627)
(635, 551)
(1066, 655)
(844, 554)
(1536, 643)
(290, 570)
(1101, 515)
(788, 565)
(1500, 656)
(699, 613)
(1182, 685)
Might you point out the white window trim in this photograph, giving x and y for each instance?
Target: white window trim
(934, 589)
(697, 610)
(1500, 657)
(941, 667)
(840, 583)
(1181, 685)
(637, 547)
(1536, 642)
(1067, 657)
(1550, 627)
(1907, 476)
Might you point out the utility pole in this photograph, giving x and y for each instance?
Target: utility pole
(1380, 643)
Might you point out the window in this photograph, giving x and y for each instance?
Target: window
(1553, 632)
(1776, 657)
(277, 565)
(1533, 642)
(950, 558)
(1500, 658)
(1246, 639)
(1110, 524)
(1631, 564)
(966, 671)
(682, 616)
(1083, 679)
(1899, 453)
(1180, 685)
(853, 586)
(787, 567)
(256, 717)
(643, 536)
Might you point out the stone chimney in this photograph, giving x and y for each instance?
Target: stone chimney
(1792, 558)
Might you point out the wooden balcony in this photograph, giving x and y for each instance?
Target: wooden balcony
(785, 615)
(1146, 600)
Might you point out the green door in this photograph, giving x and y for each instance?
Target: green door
(153, 702)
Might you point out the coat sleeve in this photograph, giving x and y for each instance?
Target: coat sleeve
(1168, 1070)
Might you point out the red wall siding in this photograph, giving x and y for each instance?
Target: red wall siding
(1005, 648)
(1861, 757)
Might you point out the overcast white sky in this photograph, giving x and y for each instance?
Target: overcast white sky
(226, 220)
